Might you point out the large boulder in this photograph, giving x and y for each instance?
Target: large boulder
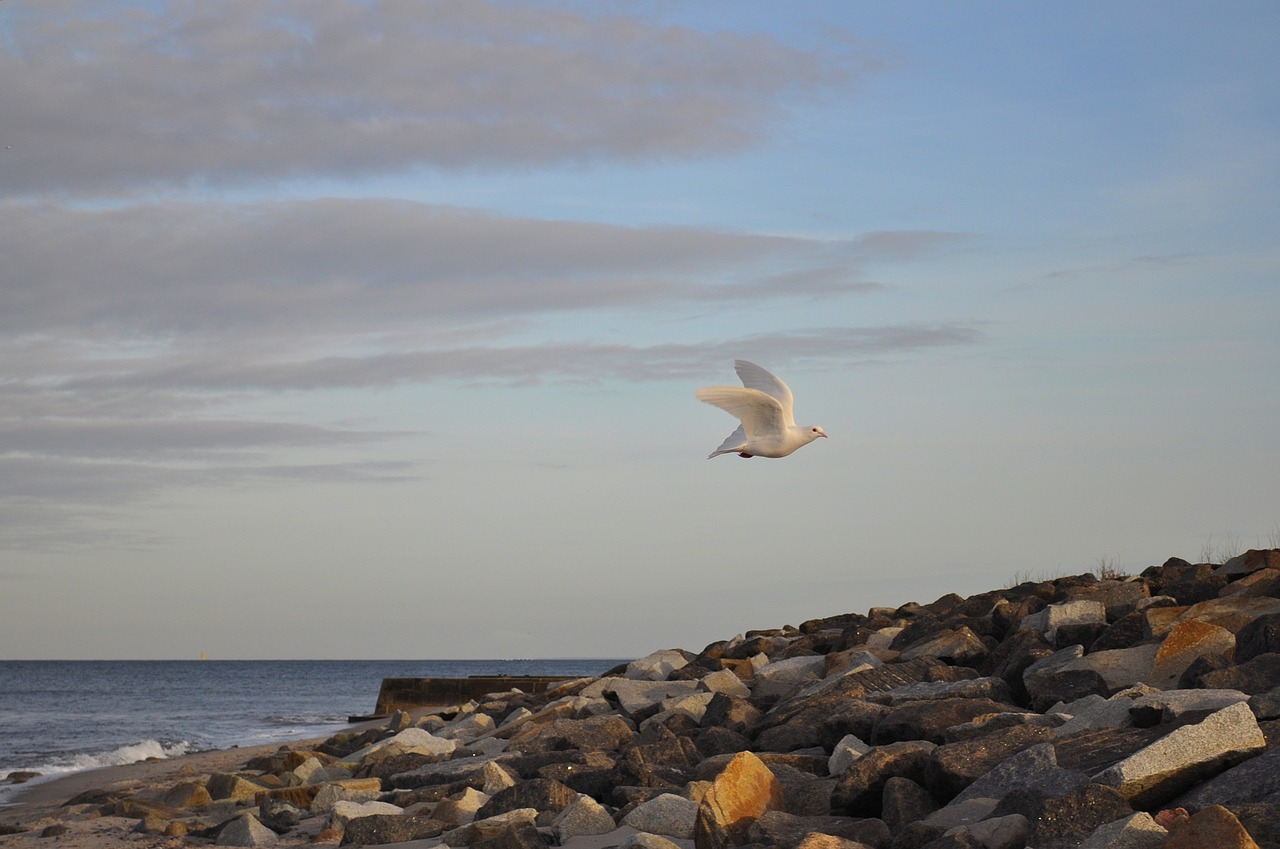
(668, 814)
(1188, 754)
(928, 720)
(740, 794)
(377, 829)
(859, 790)
(1064, 821)
(541, 794)
(657, 666)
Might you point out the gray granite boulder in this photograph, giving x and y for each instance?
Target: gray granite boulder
(1254, 780)
(1186, 755)
(246, 830)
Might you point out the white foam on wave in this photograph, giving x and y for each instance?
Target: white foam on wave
(59, 765)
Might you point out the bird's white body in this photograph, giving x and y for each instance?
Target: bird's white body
(764, 405)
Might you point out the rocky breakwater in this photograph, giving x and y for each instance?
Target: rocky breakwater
(1079, 712)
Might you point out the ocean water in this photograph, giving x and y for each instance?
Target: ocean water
(58, 717)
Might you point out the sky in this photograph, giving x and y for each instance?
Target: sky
(338, 329)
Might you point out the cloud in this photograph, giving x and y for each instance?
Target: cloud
(111, 97)
(73, 456)
(311, 265)
(517, 364)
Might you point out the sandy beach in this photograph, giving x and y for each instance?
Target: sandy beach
(43, 804)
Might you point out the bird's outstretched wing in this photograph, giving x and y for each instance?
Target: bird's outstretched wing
(755, 377)
(761, 414)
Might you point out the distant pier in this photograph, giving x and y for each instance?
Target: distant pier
(408, 693)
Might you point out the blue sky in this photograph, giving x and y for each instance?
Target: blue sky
(371, 330)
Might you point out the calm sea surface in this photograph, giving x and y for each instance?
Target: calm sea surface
(58, 717)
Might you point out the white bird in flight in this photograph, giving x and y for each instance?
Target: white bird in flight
(763, 403)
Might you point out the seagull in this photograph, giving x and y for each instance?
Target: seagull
(763, 403)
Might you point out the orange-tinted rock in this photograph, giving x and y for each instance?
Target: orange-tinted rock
(1188, 640)
(188, 794)
(1231, 613)
(1214, 826)
(743, 791)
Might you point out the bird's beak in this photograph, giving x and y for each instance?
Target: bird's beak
(823, 435)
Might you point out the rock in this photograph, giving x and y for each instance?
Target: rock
(960, 646)
(1185, 642)
(595, 733)
(724, 681)
(818, 840)
(460, 808)
(377, 829)
(470, 770)
(731, 712)
(1007, 832)
(1062, 821)
(1231, 613)
(1256, 675)
(1255, 780)
(187, 794)
(467, 727)
(280, 816)
(1137, 831)
(584, 816)
(1261, 636)
(345, 810)
(541, 794)
(1251, 561)
(494, 778)
(859, 790)
(417, 741)
(903, 802)
(1119, 668)
(644, 840)
(638, 698)
(955, 766)
(350, 790)
(1057, 617)
(1093, 711)
(246, 830)
(1214, 826)
(927, 720)
(1172, 704)
(1177, 760)
(521, 835)
(232, 788)
(743, 791)
(1263, 583)
(848, 750)
(657, 666)
(480, 831)
(694, 706)
(803, 793)
(668, 814)
(1047, 683)
(1035, 768)
(776, 828)
(1262, 822)
(782, 676)
(994, 689)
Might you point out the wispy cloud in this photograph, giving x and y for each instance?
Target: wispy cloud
(119, 96)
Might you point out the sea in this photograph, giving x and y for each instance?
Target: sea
(60, 717)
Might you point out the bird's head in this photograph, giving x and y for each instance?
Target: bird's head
(815, 431)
